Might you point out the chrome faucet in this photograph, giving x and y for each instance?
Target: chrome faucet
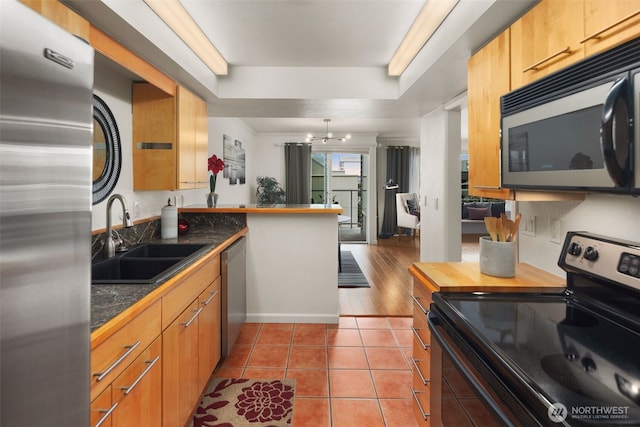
(109, 245)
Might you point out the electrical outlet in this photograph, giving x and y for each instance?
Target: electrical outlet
(556, 231)
(136, 209)
(529, 223)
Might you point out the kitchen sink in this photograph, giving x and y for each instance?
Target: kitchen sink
(144, 264)
(160, 250)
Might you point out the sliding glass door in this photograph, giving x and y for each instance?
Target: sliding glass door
(341, 177)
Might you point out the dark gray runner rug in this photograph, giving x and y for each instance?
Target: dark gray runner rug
(351, 276)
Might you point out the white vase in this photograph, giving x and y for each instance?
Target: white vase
(212, 200)
(497, 258)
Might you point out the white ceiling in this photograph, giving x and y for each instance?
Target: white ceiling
(293, 63)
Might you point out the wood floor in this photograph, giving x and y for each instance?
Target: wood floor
(385, 266)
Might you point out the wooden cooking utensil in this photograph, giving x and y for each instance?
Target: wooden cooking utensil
(490, 224)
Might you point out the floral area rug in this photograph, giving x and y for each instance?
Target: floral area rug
(246, 402)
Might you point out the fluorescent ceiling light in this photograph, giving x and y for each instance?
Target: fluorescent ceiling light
(427, 22)
(179, 20)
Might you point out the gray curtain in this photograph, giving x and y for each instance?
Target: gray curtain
(297, 164)
(397, 170)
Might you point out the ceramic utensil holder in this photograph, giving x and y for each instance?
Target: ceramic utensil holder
(497, 258)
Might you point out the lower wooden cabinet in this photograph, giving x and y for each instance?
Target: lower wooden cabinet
(151, 370)
(102, 409)
(180, 367)
(138, 391)
(421, 357)
(209, 333)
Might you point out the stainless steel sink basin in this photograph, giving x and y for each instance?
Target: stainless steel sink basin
(144, 264)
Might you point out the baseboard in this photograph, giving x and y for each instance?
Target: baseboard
(293, 318)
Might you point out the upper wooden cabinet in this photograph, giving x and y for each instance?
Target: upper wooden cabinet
(608, 23)
(193, 141)
(546, 39)
(60, 14)
(170, 139)
(487, 80)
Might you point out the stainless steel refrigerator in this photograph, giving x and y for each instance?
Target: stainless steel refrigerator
(46, 82)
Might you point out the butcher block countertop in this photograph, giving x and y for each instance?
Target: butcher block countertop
(466, 277)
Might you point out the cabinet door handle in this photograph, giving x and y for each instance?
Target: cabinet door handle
(213, 294)
(566, 50)
(596, 35)
(415, 364)
(415, 397)
(127, 390)
(130, 348)
(487, 187)
(415, 300)
(195, 315)
(107, 414)
(415, 332)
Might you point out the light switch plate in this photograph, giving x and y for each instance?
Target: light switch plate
(556, 233)
(529, 225)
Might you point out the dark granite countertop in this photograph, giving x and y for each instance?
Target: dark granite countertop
(107, 301)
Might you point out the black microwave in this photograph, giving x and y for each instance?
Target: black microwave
(574, 130)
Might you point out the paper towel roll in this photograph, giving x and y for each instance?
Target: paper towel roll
(169, 221)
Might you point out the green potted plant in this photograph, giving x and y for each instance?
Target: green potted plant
(269, 191)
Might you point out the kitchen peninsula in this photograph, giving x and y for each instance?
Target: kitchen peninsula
(292, 261)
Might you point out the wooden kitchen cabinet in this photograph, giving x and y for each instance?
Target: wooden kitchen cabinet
(421, 358)
(546, 39)
(180, 367)
(191, 340)
(608, 23)
(111, 357)
(102, 409)
(61, 15)
(209, 333)
(487, 80)
(138, 391)
(170, 139)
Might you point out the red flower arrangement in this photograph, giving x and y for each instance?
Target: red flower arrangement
(215, 166)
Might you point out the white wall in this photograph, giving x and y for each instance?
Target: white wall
(440, 229)
(237, 193)
(610, 215)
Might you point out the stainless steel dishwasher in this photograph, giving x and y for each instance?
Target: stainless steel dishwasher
(234, 293)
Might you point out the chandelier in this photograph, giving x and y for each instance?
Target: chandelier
(328, 136)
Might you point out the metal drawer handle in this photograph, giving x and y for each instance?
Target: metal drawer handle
(196, 314)
(415, 397)
(535, 66)
(415, 300)
(596, 35)
(415, 332)
(487, 187)
(130, 348)
(107, 414)
(213, 295)
(415, 363)
(127, 390)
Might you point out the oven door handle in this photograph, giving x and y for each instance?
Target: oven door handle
(463, 367)
(616, 153)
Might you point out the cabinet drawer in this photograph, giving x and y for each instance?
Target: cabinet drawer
(110, 358)
(421, 298)
(138, 390)
(102, 409)
(421, 397)
(421, 334)
(421, 363)
(188, 290)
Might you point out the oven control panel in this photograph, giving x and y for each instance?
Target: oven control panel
(611, 259)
